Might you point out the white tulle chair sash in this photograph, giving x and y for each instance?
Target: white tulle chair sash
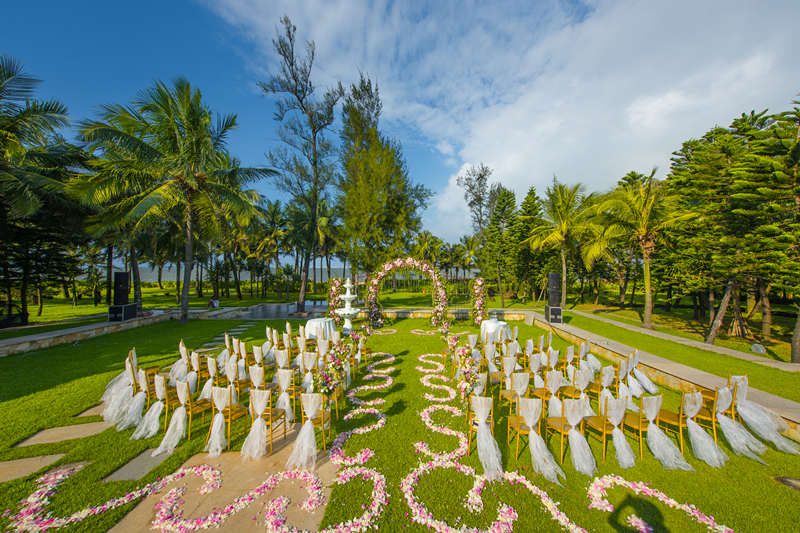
(488, 451)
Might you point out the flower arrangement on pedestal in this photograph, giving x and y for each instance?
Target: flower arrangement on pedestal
(479, 296)
(335, 293)
(468, 376)
(439, 314)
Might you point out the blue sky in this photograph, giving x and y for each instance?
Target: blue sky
(584, 90)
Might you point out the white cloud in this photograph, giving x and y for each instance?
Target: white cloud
(449, 217)
(588, 92)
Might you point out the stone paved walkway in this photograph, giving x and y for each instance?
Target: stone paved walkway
(238, 479)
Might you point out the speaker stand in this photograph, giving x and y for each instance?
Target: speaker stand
(552, 314)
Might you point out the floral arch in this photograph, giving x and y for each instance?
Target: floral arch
(439, 314)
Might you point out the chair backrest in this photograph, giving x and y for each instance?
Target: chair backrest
(184, 396)
(257, 376)
(258, 355)
(282, 358)
(144, 386)
(322, 346)
(312, 405)
(650, 407)
(160, 385)
(227, 341)
(183, 352)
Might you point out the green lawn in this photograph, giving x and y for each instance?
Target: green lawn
(47, 327)
(772, 380)
(680, 322)
(152, 297)
(32, 399)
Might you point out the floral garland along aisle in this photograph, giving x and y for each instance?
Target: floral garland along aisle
(507, 515)
(31, 516)
(478, 301)
(439, 313)
(335, 292)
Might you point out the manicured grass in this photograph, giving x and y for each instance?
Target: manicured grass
(49, 387)
(680, 322)
(45, 327)
(772, 380)
(152, 297)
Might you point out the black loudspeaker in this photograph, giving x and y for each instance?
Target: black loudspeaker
(553, 289)
(121, 288)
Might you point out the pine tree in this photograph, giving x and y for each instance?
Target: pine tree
(501, 245)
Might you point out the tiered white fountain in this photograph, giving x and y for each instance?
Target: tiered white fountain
(347, 312)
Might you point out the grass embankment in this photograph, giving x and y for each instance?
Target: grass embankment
(680, 322)
(772, 380)
(48, 327)
(49, 387)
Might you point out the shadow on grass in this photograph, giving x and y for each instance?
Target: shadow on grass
(641, 508)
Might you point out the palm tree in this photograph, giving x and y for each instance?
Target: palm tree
(566, 220)
(641, 212)
(471, 246)
(164, 152)
(24, 123)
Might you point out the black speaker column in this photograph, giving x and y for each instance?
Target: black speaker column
(121, 288)
(552, 311)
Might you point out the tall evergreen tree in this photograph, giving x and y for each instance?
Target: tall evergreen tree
(378, 203)
(500, 246)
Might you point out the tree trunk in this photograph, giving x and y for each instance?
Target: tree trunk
(702, 296)
(328, 264)
(563, 277)
(695, 310)
(64, 288)
(622, 281)
(669, 298)
(137, 281)
(198, 280)
(26, 270)
(314, 279)
(796, 341)
(648, 296)
(251, 284)
(711, 312)
(277, 283)
(597, 291)
(583, 285)
(301, 298)
(188, 256)
(227, 277)
(160, 269)
(41, 299)
(236, 283)
(178, 294)
(739, 327)
(500, 288)
(723, 307)
(74, 293)
(109, 271)
(766, 311)
(752, 295)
